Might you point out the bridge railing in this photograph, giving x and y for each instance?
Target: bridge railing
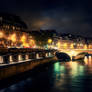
(13, 56)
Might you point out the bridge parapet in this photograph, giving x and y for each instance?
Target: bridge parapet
(18, 55)
(74, 52)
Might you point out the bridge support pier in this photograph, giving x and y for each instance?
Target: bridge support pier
(6, 59)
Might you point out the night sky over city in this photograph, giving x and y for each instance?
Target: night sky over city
(65, 16)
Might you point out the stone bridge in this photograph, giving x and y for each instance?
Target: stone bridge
(74, 52)
(23, 54)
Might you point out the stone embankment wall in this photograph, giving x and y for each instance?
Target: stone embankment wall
(14, 69)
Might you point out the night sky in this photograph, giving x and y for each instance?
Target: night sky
(66, 16)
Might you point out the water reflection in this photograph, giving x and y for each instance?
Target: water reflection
(58, 77)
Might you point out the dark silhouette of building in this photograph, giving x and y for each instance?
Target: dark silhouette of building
(11, 22)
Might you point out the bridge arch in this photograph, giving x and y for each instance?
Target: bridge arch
(63, 56)
(81, 53)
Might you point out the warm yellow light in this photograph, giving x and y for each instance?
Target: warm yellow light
(23, 38)
(32, 42)
(25, 44)
(86, 60)
(78, 44)
(85, 46)
(65, 45)
(90, 46)
(73, 53)
(13, 37)
(72, 46)
(59, 44)
(49, 41)
(1, 34)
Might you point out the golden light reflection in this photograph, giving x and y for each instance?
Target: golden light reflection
(90, 58)
(74, 66)
(86, 60)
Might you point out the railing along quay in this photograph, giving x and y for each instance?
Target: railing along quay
(11, 55)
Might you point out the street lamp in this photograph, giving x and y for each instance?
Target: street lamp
(49, 42)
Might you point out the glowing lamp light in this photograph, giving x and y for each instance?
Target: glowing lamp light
(65, 45)
(13, 38)
(32, 42)
(25, 44)
(49, 41)
(1, 34)
(58, 44)
(85, 46)
(71, 45)
(73, 53)
(23, 38)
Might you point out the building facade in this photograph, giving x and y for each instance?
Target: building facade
(13, 32)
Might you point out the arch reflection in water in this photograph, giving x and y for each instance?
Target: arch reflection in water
(69, 74)
(88, 60)
(56, 67)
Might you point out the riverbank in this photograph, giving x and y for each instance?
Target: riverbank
(14, 69)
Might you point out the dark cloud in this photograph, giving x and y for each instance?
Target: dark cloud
(72, 16)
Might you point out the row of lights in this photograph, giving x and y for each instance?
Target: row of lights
(13, 37)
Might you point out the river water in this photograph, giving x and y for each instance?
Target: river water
(58, 77)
